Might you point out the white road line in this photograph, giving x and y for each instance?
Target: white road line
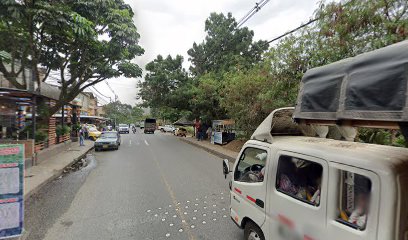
(146, 143)
(130, 142)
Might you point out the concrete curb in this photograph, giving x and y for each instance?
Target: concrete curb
(212, 151)
(56, 174)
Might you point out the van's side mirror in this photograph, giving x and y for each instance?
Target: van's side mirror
(225, 167)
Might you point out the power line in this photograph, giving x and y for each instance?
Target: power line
(293, 30)
(252, 12)
(305, 24)
(116, 96)
(97, 91)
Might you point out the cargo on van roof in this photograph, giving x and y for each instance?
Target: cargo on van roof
(371, 86)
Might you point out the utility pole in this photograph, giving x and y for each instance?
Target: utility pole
(62, 115)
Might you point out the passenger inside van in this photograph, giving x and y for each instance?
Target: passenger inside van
(300, 179)
(359, 215)
(355, 200)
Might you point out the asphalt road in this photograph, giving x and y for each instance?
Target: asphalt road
(154, 187)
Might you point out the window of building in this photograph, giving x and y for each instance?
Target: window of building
(300, 179)
(354, 199)
(251, 166)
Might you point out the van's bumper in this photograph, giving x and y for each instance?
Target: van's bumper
(235, 218)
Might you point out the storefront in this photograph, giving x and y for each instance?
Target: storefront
(14, 106)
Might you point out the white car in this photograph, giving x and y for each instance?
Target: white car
(123, 128)
(296, 187)
(168, 128)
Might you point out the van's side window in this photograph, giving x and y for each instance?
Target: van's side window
(300, 179)
(354, 199)
(251, 166)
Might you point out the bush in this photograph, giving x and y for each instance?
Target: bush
(40, 136)
(62, 130)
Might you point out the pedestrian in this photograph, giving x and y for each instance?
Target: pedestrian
(209, 132)
(86, 134)
(81, 137)
(198, 129)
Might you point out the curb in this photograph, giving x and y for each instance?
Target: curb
(212, 151)
(56, 174)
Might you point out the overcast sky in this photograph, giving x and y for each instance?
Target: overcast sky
(171, 27)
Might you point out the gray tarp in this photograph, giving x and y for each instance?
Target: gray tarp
(370, 86)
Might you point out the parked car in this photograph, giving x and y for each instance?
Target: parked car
(93, 133)
(123, 128)
(108, 140)
(181, 132)
(168, 128)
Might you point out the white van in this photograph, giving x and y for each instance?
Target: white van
(309, 188)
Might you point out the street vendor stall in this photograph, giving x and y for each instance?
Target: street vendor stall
(223, 131)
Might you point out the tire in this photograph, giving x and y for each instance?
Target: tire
(253, 232)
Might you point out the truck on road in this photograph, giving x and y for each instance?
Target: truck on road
(149, 125)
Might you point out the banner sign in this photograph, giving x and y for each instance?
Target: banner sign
(11, 190)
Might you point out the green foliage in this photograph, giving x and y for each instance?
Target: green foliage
(40, 136)
(62, 130)
(233, 77)
(225, 47)
(76, 127)
(87, 41)
(123, 113)
(164, 76)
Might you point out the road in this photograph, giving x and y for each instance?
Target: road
(154, 187)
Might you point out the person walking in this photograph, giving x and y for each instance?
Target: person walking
(85, 130)
(81, 137)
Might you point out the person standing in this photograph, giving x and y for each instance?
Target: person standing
(81, 137)
(86, 134)
(198, 129)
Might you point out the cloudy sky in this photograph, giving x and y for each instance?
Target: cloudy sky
(171, 27)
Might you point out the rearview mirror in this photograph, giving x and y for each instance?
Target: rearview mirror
(225, 167)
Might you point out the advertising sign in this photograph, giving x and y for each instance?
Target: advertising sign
(11, 190)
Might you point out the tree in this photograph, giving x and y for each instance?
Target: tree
(86, 41)
(123, 113)
(225, 47)
(164, 76)
(207, 97)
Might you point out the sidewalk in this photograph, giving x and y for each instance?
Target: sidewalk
(215, 149)
(48, 169)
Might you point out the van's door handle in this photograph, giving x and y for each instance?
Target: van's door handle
(260, 203)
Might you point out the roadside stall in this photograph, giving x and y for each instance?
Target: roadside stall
(223, 131)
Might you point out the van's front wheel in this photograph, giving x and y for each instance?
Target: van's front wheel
(253, 232)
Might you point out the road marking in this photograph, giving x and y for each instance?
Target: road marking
(146, 142)
(172, 196)
(130, 142)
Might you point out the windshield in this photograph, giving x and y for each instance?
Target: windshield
(109, 135)
(123, 125)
